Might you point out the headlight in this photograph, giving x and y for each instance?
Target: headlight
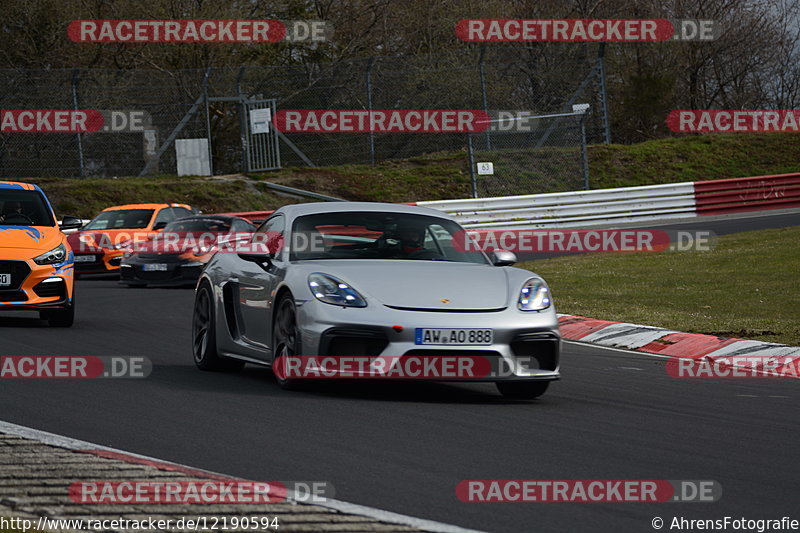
(201, 250)
(56, 255)
(534, 295)
(123, 245)
(334, 291)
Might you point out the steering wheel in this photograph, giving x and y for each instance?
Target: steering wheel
(425, 254)
(22, 215)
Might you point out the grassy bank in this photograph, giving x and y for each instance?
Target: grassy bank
(746, 287)
(87, 197)
(445, 175)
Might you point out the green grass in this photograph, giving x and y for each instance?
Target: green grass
(693, 158)
(87, 197)
(746, 287)
(445, 175)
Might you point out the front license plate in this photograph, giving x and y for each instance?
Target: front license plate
(5, 280)
(456, 337)
(84, 258)
(155, 267)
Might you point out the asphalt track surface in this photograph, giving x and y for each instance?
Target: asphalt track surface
(403, 447)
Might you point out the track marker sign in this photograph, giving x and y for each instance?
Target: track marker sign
(485, 168)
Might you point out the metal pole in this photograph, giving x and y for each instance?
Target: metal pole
(75, 76)
(584, 154)
(471, 160)
(371, 134)
(484, 100)
(601, 55)
(245, 164)
(208, 122)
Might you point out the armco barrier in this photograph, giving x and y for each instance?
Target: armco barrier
(626, 204)
(574, 209)
(617, 206)
(747, 194)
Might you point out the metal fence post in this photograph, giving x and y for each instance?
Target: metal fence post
(208, 122)
(484, 99)
(245, 165)
(79, 142)
(371, 134)
(471, 162)
(601, 60)
(584, 154)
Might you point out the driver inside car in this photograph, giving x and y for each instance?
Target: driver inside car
(411, 240)
(11, 209)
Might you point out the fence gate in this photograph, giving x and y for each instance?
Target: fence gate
(260, 140)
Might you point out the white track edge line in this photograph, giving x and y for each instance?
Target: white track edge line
(615, 349)
(61, 441)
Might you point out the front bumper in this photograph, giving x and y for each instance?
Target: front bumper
(98, 262)
(179, 271)
(527, 345)
(35, 287)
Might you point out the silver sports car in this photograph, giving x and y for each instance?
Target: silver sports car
(383, 282)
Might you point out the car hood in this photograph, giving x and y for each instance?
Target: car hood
(435, 285)
(94, 240)
(39, 238)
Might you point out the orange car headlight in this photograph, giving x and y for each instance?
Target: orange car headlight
(54, 256)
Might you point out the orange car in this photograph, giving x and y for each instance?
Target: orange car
(36, 262)
(100, 244)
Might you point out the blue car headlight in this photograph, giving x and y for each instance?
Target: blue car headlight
(334, 291)
(54, 256)
(534, 295)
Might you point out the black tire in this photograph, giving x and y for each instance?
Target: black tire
(522, 390)
(204, 336)
(286, 340)
(136, 285)
(60, 318)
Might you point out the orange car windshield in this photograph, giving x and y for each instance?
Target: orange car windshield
(24, 208)
(121, 219)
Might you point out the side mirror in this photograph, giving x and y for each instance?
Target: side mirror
(257, 258)
(70, 222)
(159, 226)
(503, 258)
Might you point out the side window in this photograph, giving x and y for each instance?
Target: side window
(165, 216)
(271, 233)
(439, 239)
(181, 212)
(241, 225)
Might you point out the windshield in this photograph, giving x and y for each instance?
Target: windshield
(24, 208)
(121, 219)
(375, 235)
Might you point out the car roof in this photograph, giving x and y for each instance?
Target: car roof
(222, 218)
(143, 206)
(19, 185)
(298, 210)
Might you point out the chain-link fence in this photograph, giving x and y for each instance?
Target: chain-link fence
(532, 154)
(543, 78)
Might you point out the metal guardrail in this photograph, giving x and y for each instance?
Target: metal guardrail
(573, 209)
(626, 204)
(300, 193)
(747, 194)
